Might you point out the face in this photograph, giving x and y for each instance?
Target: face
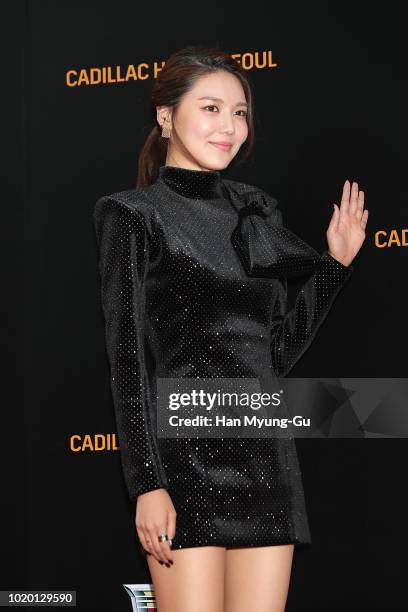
(202, 122)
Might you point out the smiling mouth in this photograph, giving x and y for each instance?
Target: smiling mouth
(223, 147)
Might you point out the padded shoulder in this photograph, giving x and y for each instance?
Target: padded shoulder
(128, 203)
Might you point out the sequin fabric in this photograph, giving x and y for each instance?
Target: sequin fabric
(194, 271)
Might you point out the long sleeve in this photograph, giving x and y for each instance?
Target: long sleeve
(267, 249)
(292, 332)
(123, 242)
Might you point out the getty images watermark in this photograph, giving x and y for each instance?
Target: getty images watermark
(286, 408)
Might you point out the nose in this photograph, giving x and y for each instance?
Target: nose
(226, 122)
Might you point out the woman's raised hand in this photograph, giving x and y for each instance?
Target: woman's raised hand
(156, 515)
(346, 231)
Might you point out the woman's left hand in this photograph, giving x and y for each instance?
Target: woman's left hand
(346, 231)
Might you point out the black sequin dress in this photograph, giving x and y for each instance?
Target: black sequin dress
(194, 271)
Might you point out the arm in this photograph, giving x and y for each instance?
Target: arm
(123, 263)
(292, 332)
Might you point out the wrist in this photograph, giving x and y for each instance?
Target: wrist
(343, 261)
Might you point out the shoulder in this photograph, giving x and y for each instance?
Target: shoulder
(131, 206)
(134, 200)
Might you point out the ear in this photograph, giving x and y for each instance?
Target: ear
(164, 114)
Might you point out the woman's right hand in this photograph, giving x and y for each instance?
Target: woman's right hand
(155, 514)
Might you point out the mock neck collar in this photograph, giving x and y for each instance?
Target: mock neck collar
(194, 184)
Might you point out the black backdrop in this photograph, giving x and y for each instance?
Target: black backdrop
(331, 109)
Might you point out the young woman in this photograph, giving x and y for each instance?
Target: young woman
(194, 271)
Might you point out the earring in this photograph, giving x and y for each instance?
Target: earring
(165, 131)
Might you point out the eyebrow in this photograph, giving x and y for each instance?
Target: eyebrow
(220, 100)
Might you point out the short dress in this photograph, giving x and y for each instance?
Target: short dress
(194, 273)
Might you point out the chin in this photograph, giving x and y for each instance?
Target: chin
(215, 164)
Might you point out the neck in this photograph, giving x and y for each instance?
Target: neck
(195, 184)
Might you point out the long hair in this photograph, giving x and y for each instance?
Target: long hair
(181, 70)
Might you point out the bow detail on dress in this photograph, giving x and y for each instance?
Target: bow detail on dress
(267, 248)
(257, 205)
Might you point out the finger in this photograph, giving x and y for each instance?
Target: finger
(171, 525)
(165, 547)
(144, 540)
(171, 531)
(360, 205)
(353, 198)
(345, 199)
(364, 219)
(161, 546)
(334, 221)
(156, 550)
(166, 552)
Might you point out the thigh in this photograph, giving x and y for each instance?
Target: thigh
(257, 578)
(194, 583)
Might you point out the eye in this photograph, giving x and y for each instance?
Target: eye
(214, 106)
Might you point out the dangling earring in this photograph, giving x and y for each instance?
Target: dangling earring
(165, 131)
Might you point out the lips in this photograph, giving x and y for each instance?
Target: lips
(223, 147)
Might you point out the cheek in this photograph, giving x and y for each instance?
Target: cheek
(204, 126)
(198, 130)
(243, 131)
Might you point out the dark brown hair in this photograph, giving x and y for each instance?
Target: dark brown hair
(181, 70)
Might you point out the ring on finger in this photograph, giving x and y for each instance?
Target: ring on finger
(163, 537)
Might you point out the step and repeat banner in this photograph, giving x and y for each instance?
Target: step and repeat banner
(329, 105)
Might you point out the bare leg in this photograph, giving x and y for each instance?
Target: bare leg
(257, 578)
(194, 583)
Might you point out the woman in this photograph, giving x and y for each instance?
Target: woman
(194, 271)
